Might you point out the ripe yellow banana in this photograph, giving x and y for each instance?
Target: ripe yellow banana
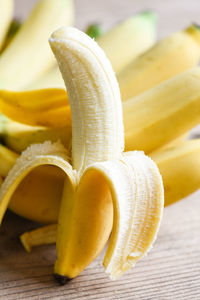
(170, 56)
(129, 39)
(6, 14)
(18, 137)
(28, 55)
(162, 114)
(122, 43)
(48, 107)
(101, 175)
(180, 169)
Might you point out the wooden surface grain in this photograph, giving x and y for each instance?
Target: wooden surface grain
(172, 269)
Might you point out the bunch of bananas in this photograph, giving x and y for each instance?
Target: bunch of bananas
(62, 155)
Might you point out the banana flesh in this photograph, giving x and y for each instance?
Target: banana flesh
(93, 185)
(106, 129)
(6, 14)
(19, 64)
(169, 57)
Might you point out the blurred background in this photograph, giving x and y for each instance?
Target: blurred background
(173, 14)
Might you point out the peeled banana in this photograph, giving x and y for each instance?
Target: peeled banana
(29, 55)
(101, 176)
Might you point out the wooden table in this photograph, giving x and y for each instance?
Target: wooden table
(172, 269)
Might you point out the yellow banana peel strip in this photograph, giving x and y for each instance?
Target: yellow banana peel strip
(42, 236)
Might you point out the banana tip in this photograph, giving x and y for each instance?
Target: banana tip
(62, 280)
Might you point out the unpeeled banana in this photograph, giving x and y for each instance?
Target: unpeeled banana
(101, 175)
(169, 57)
(28, 55)
(163, 113)
(38, 107)
(129, 39)
(122, 43)
(179, 167)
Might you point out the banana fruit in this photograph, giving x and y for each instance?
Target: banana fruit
(6, 14)
(28, 55)
(163, 113)
(179, 167)
(104, 188)
(169, 57)
(18, 137)
(122, 44)
(37, 107)
(129, 39)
